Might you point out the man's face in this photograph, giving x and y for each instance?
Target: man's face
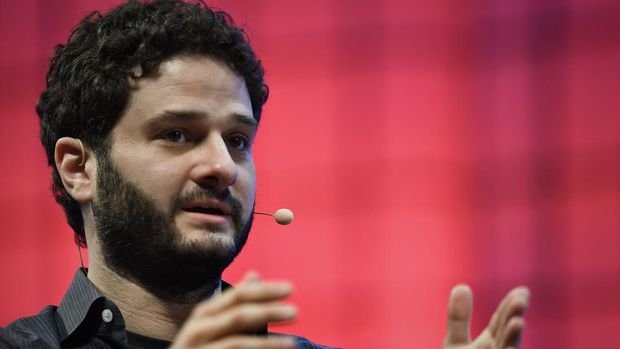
(175, 193)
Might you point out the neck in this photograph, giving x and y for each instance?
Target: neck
(143, 312)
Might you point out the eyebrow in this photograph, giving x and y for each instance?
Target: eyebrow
(195, 115)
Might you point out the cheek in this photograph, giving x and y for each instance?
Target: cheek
(157, 179)
(246, 184)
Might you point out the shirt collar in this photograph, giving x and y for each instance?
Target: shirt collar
(82, 298)
(77, 302)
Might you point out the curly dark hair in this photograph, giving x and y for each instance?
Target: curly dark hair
(88, 82)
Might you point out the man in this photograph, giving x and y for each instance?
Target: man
(148, 120)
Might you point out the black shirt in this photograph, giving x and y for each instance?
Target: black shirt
(84, 319)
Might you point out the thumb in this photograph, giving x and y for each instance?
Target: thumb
(459, 315)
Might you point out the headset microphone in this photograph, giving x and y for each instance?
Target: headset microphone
(282, 216)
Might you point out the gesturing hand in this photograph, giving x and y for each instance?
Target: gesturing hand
(504, 329)
(224, 321)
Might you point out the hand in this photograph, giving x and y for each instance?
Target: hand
(224, 321)
(504, 329)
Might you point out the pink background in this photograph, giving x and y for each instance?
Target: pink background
(420, 144)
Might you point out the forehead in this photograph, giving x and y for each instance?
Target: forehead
(196, 69)
(198, 84)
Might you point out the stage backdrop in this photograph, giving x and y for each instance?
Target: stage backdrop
(420, 144)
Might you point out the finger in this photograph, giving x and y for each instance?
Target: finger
(459, 316)
(247, 342)
(246, 292)
(514, 303)
(511, 333)
(236, 320)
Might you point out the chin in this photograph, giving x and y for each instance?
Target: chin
(208, 239)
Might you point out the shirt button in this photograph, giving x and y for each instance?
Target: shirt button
(107, 315)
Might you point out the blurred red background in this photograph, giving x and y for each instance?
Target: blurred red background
(420, 144)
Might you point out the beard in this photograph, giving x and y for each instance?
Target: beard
(143, 244)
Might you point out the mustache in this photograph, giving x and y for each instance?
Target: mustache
(198, 193)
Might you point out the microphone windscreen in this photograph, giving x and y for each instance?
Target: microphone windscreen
(283, 216)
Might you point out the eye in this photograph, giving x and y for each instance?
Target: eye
(175, 136)
(239, 142)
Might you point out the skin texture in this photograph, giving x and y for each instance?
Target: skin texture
(168, 156)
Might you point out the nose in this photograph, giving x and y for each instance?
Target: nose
(215, 168)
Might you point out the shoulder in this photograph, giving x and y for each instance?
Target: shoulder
(38, 331)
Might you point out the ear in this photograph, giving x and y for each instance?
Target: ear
(76, 166)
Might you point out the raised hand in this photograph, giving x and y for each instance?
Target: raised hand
(504, 329)
(225, 321)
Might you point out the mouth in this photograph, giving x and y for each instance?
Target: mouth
(208, 211)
